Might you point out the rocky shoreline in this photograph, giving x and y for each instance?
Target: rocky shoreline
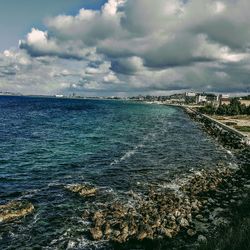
(200, 207)
(184, 214)
(196, 209)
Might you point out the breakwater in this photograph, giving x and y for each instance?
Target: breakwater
(227, 136)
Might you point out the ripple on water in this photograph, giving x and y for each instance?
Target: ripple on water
(119, 147)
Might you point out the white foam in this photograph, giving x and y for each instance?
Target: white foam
(131, 152)
(127, 155)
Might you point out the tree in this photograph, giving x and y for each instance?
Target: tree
(235, 107)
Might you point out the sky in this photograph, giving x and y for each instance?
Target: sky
(124, 47)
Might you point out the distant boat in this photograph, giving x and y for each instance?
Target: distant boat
(59, 96)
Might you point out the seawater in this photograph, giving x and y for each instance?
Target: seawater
(118, 146)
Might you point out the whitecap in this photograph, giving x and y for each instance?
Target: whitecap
(127, 155)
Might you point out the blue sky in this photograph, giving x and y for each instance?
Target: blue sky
(124, 47)
(17, 17)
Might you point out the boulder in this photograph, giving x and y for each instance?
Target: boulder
(183, 222)
(96, 233)
(82, 189)
(202, 239)
(14, 210)
(142, 235)
(191, 232)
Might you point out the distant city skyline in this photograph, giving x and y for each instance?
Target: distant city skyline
(124, 47)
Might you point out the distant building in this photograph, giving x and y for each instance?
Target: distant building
(190, 94)
(201, 99)
(213, 99)
(190, 97)
(224, 99)
(177, 99)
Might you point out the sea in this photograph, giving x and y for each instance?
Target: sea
(117, 146)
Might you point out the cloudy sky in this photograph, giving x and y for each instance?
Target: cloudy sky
(124, 47)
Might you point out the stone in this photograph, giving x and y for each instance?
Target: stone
(107, 231)
(171, 217)
(201, 227)
(199, 217)
(210, 200)
(177, 213)
(97, 215)
(82, 189)
(85, 214)
(157, 223)
(189, 217)
(116, 233)
(142, 235)
(14, 210)
(221, 222)
(96, 233)
(168, 233)
(183, 222)
(202, 239)
(191, 232)
(194, 206)
(247, 186)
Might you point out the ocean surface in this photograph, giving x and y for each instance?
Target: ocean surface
(118, 146)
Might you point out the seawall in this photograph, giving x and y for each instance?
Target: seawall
(226, 135)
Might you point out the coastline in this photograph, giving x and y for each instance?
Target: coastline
(185, 213)
(235, 235)
(206, 204)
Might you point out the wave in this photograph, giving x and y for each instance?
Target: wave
(131, 152)
(127, 155)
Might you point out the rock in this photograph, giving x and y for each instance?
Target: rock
(211, 201)
(247, 186)
(201, 227)
(222, 222)
(124, 234)
(161, 212)
(142, 235)
(194, 206)
(177, 213)
(85, 214)
(171, 217)
(14, 210)
(82, 189)
(96, 233)
(183, 222)
(202, 239)
(191, 232)
(107, 231)
(97, 215)
(116, 233)
(157, 223)
(199, 217)
(168, 233)
(189, 217)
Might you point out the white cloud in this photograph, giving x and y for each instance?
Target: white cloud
(111, 78)
(149, 45)
(219, 7)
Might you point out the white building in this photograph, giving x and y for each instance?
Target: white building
(201, 98)
(190, 94)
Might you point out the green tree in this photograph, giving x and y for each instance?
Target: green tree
(235, 107)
